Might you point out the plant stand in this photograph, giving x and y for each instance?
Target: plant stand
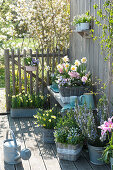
(68, 152)
(15, 113)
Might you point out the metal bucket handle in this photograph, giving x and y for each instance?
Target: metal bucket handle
(13, 136)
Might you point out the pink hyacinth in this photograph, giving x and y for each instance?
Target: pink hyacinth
(84, 79)
(74, 74)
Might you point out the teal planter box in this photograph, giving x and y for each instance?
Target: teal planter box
(16, 113)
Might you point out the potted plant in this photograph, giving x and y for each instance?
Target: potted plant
(27, 105)
(107, 130)
(47, 120)
(68, 138)
(89, 126)
(30, 63)
(82, 22)
(72, 79)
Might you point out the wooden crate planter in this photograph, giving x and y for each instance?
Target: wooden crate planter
(16, 113)
(68, 152)
(48, 136)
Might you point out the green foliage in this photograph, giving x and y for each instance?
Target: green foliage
(82, 18)
(106, 24)
(67, 130)
(47, 118)
(29, 101)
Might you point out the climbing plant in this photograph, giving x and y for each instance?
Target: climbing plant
(105, 21)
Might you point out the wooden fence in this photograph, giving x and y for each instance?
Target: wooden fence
(18, 79)
(82, 47)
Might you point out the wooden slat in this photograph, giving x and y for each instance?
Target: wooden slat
(58, 56)
(3, 128)
(48, 65)
(64, 164)
(19, 69)
(42, 71)
(36, 160)
(7, 79)
(13, 71)
(46, 151)
(37, 74)
(53, 62)
(14, 124)
(31, 77)
(25, 74)
(95, 167)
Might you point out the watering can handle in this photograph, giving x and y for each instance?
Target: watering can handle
(13, 136)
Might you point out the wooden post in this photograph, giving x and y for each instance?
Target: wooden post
(37, 74)
(19, 69)
(48, 65)
(53, 63)
(58, 56)
(42, 72)
(7, 79)
(31, 82)
(13, 71)
(25, 75)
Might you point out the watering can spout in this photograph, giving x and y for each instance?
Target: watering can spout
(17, 157)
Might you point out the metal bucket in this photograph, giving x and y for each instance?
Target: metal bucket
(95, 154)
(11, 149)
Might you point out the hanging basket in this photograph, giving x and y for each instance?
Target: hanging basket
(30, 68)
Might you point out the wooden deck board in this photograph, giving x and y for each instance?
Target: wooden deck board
(47, 153)
(15, 126)
(44, 156)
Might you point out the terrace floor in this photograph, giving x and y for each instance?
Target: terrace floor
(44, 156)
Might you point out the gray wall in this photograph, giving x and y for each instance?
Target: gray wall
(81, 47)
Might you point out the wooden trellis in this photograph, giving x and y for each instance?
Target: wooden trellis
(37, 79)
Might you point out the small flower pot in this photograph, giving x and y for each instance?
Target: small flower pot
(16, 113)
(68, 152)
(48, 136)
(95, 154)
(31, 68)
(111, 161)
(82, 26)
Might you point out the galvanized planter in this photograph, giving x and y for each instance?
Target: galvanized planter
(31, 68)
(111, 161)
(95, 153)
(66, 92)
(15, 113)
(48, 136)
(68, 152)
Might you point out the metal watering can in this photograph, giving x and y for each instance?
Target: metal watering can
(12, 150)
